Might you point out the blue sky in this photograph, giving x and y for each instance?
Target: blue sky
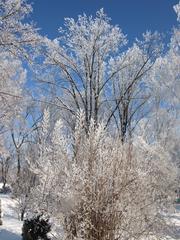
(134, 17)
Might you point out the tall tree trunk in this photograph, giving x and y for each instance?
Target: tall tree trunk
(22, 214)
(18, 164)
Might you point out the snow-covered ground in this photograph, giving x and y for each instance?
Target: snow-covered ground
(12, 227)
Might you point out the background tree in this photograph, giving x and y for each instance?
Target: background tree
(5, 162)
(94, 72)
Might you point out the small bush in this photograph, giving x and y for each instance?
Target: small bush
(5, 190)
(178, 200)
(36, 228)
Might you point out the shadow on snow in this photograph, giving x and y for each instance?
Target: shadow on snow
(6, 235)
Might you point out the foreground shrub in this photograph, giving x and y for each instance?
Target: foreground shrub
(104, 189)
(36, 228)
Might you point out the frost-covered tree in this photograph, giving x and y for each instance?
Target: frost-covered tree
(5, 162)
(22, 191)
(95, 187)
(92, 71)
(12, 80)
(162, 124)
(130, 86)
(17, 43)
(17, 36)
(88, 46)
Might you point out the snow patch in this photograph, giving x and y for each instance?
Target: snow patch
(12, 227)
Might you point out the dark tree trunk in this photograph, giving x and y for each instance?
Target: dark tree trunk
(18, 165)
(22, 214)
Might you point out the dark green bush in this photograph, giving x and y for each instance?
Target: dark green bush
(36, 228)
(178, 200)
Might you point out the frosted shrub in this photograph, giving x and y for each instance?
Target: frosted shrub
(98, 188)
